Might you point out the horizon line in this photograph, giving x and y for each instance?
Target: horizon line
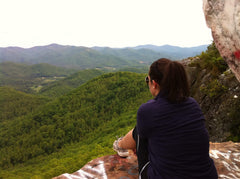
(51, 44)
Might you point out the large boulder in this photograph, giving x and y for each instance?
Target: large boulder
(223, 17)
(225, 155)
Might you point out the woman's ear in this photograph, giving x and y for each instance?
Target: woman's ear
(155, 85)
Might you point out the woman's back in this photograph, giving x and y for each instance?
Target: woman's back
(178, 142)
(170, 130)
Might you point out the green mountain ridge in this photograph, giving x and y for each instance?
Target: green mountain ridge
(65, 56)
(141, 55)
(148, 53)
(95, 57)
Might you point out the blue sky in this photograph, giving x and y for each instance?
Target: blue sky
(112, 23)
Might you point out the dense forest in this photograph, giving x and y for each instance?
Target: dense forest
(14, 103)
(62, 86)
(68, 121)
(70, 118)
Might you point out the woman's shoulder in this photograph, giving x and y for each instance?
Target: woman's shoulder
(153, 105)
(192, 100)
(148, 105)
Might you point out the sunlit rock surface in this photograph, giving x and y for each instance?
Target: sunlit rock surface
(223, 17)
(111, 166)
(225, 155)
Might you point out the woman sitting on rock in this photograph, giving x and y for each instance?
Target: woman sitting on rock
(170, 136)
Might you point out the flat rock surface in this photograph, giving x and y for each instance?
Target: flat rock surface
(226, 156)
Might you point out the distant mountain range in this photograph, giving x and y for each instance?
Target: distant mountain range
(175, 51)
(96, 57)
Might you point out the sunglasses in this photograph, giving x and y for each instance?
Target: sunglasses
(147, 79)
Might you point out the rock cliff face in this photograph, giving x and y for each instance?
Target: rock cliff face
(223, 17)
(219, 99)
(225, 155)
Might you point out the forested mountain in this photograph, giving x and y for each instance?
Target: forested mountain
(71, 117)
(66, 56)
(175, 52)
(96, 57)
(149, 53)
(140, 55)
(49, 80)
(15, 103)
(67, 84)
(29, 78)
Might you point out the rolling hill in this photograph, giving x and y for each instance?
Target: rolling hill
(62, 86)
(96, 57)
(65, 56)
(29, 78)
(15, 103)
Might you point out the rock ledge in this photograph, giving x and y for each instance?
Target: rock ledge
(226, 156)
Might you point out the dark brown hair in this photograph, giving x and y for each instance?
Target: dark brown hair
(172, 79)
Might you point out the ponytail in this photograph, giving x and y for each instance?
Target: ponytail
(172, 79)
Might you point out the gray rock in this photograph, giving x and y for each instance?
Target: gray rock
(223, 17)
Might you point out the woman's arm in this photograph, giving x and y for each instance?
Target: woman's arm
(127, 142)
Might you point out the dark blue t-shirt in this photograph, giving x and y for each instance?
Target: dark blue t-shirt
(178, 142)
